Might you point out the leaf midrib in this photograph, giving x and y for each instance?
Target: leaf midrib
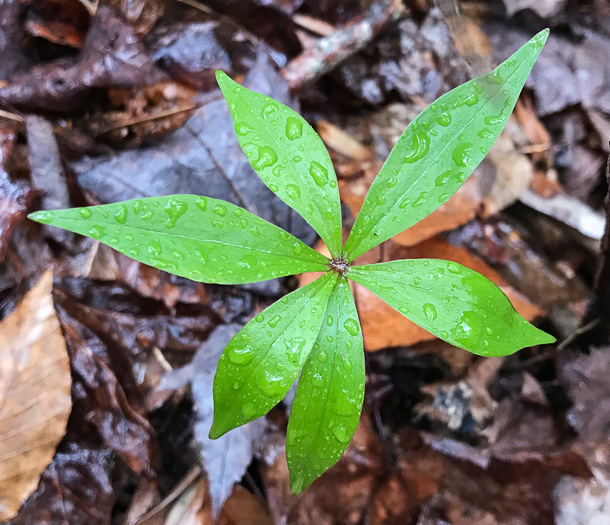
(306, 181)
(431, 163)
(182, 236)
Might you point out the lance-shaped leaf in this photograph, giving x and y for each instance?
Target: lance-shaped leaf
(289, 157)
(327, 406)
(453, 302)
(262, 361)
(439, 150)
(201, 238)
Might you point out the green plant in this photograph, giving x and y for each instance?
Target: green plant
(315, 330)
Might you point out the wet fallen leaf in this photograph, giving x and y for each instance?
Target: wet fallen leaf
(76, 488)
(225, 459)
(341, 495)
(340, 141)
(585, 377)
(111, 56)
(514, 172)
(100, 398)
(34, 394)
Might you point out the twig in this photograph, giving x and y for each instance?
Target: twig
(347, 40)
(147, 118)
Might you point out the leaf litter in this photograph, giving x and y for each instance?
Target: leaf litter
(442, 438)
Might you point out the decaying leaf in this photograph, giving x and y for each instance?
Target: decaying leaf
(225, 459)
(34, 394)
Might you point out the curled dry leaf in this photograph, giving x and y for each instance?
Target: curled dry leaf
(34, 394)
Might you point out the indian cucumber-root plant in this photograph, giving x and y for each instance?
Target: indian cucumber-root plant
(314, 331)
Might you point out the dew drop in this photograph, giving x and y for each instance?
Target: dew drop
(267, 156)
(319, 173)
(341, 434)
(486, 133)
(443, 178)
(255, 231)
(202, 203)
(444, 119)
(462, 154)
(243, 128)
(297, 248)
(419, 148)
(392, 182)
(270, 384)
(430, 311)
(294, 128)
(329, 320)
(404, 310)
(247, 262)
(97, 232)
(404, 203)
(174, 209)
(454, 268)
(273, 322)
(85, 213)
(293, 191)
(240, 353)
(248, 409)
(420, 199)
(154, 248)
(120, 215)
(352, 326)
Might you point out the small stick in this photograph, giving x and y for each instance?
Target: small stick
(344, 42)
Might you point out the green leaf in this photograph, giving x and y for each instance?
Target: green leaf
(201, 238)
(453, 302)
(289, 157)
(439, 150)
(265, 357)
(329, 397)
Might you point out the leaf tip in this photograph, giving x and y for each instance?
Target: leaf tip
(297, 484)
(219, 428)
(43, 217)
(540, 39)
(220, 75)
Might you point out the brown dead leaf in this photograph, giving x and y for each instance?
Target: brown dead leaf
(189, 503)
(382, 326)
(341, 495)
(342, 142)
(34, 394)
(514, 172)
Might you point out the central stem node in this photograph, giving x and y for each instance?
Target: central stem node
(339, 265)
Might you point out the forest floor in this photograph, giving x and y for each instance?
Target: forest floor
(110, 362)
